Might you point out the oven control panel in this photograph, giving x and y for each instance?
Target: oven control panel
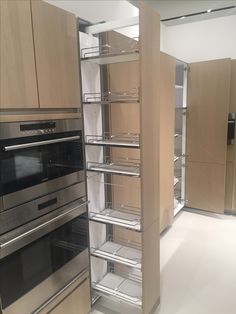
(38, 128)
(19, 130)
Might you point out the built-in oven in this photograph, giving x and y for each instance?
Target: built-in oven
(41, 167)
(40, 259)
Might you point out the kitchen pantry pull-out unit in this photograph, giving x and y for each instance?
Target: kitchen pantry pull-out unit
(180, 134)
(121, 109)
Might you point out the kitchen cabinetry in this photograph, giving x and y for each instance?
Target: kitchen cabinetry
(77, 302)
(122, 118)
(230, 187)
(18, 87)
(56, 55)
(167, 107)
(180, 135)
(208, 106)
(39, 56)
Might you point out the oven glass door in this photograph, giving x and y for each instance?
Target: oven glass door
(26, 268)
(29, 166)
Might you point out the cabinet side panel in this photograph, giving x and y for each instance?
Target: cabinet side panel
(149, 25)
(150, 113)
(18, 87)
(56, 51)
(231, 152)
(151, 268)
(167, 104)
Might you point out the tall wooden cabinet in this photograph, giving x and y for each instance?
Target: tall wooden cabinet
(230, 187)
(167, 113)
(39, 56)
(18, 86)
(208, 106)
(56, 56)
(122, 119)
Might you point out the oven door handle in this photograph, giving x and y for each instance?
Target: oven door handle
(33, 144)
(11, 245)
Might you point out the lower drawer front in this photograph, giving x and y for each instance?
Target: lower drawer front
(77, 302)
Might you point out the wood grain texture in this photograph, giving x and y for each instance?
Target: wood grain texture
(124, 77)
(149, 27)
(56, 51)
(167, 113)
(205, 186)
(18, 87)
(149, 38)
(208, 106)
(77, 302)
(151, 268)
(232, 105)
(39, 116)
(229, 186)
(232, 149)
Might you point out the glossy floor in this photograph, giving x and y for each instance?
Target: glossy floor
(198, 267)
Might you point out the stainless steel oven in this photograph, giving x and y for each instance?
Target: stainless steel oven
(41, 169)
(42, 258)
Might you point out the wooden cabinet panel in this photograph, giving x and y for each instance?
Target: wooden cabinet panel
(167, 104)
(205, 186)
(232, 149)
(208, 106)
(229, 185)
(78, 302)
(150, 118)
(17, 68)
(232, 105)
(56, 52)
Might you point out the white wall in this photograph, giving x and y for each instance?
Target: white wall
(199, 41)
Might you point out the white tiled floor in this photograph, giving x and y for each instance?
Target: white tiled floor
(198, 266)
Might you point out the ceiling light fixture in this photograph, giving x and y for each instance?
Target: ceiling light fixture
(199, 13)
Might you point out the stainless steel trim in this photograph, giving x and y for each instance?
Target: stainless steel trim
(20, 197)
(12, 129)
(76, 281)
(10, 244)
(41, 143)
(33, 301)
(22, 214)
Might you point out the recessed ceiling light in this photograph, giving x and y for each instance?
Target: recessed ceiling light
(208, 11)
(182, 17)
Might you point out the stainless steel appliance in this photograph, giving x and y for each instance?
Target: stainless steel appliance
(41, 169)
(40, 260)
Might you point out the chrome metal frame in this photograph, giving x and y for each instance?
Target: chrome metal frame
(41, 143)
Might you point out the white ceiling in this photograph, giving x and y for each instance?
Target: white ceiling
(175, 8)
(96, 11)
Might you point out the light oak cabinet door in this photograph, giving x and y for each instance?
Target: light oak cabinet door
(56, 53)
(17, 68)
(78, 302)
(208, 107)
(205, 188)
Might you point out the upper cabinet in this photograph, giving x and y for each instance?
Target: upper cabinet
(56, 54)
(39, 56)
(18, 87)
